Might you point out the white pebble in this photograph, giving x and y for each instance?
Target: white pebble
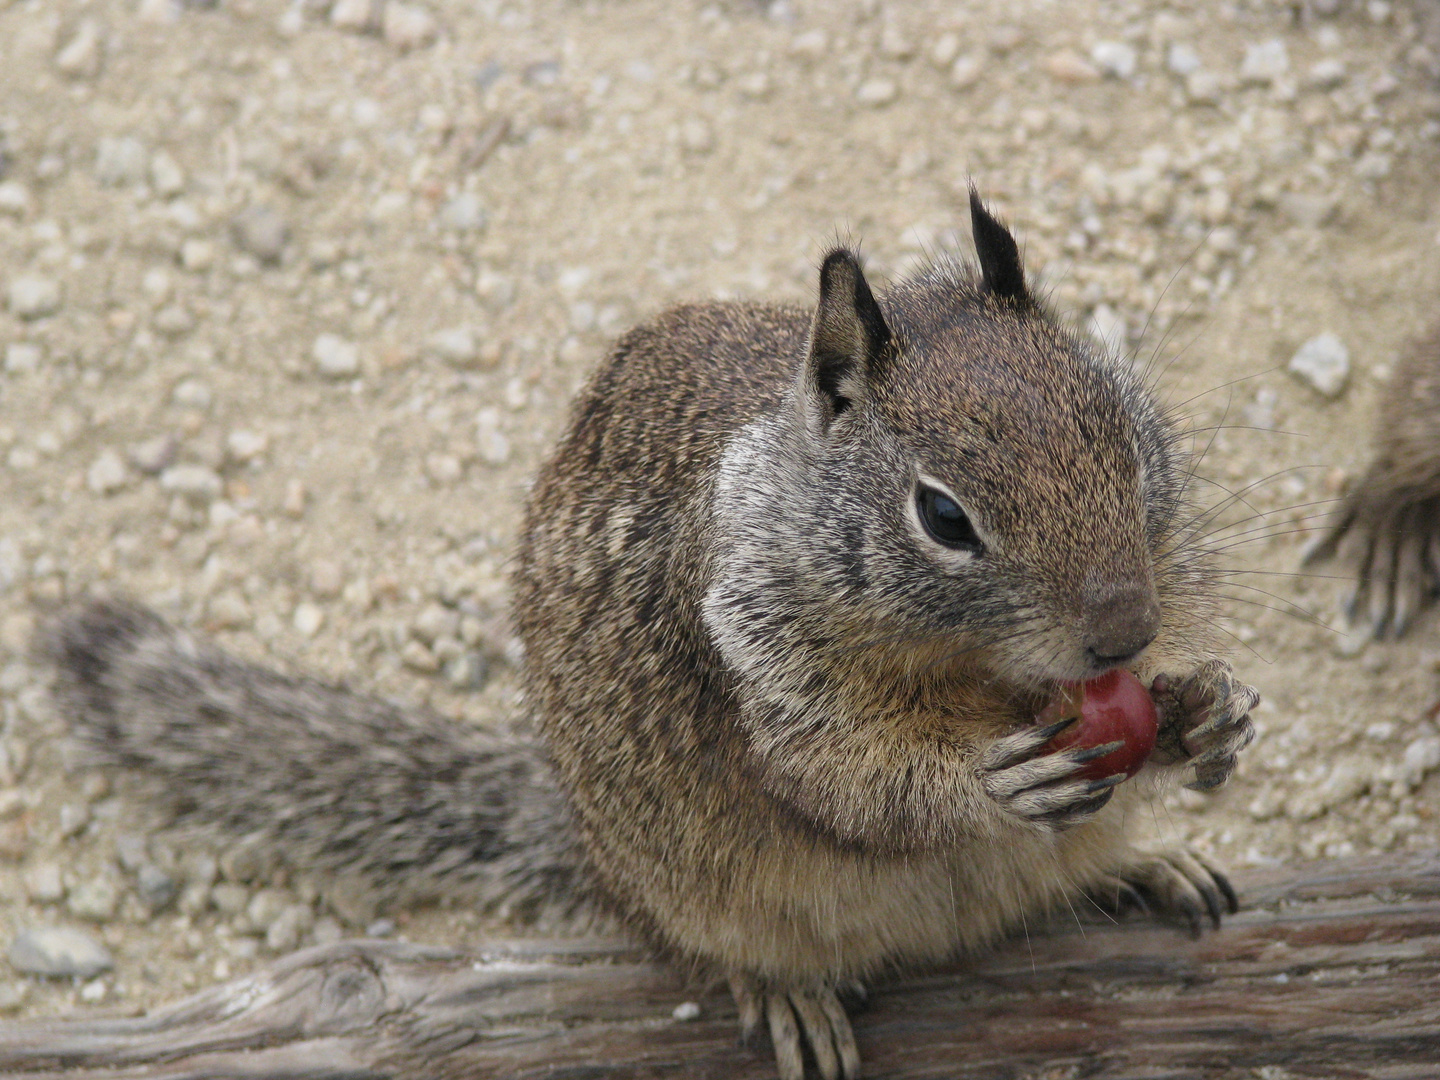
(95, 899)
(308, 618)
(1323, 363)
(356, 15)
(192, 394)
(23, 356)
(1182, 59)
(73, 818)
(33, 297)
(59, 951)
(1326, 74)
(407, 26)
(493, 445)
(121, 161)
(686, 1011)
(192, 481)
(14, 199)
(80, 56)
(966, 70)
(1420, 757)
(245, 446)
(166, 176)
(455, 346)
(1265, 61)
(1114, 58)
(335, 357)
(464, 212)
(197, 256)
(877, 92)
(107, 473)
(43, 883)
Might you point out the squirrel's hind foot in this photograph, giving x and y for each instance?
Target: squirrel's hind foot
(799, 1017)
(1177, 885)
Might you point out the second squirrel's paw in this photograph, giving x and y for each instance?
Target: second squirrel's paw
(798, 1017)
(1177, 884)
(1204, 719)
(1046, 787)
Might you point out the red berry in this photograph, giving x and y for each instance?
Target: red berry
(1116, 707)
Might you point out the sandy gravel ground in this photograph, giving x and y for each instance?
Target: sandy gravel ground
(292, 297)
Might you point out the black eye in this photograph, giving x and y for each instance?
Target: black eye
(945, 521)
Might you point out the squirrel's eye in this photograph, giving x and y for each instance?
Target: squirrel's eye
(945, 521)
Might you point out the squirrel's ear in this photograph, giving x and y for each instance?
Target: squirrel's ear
(999, 255)
(847, 338)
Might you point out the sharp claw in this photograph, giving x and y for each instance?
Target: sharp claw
(1080, 757)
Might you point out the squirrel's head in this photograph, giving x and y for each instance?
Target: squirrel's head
(960, 477)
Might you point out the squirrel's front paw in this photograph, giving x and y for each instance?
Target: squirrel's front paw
(797, 1017)
(1205, 719)
(1045, 787)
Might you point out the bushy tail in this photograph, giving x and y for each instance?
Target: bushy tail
(405, 801)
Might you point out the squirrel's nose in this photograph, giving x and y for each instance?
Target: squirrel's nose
(1121, 624)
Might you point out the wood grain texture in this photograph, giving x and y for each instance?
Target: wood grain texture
(1330, 970)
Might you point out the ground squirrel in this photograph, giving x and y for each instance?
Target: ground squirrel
(1388, 525)
(792, 590)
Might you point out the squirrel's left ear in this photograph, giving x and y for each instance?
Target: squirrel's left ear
(848, 337)
(999, 255)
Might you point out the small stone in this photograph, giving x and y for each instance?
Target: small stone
(1265, 61)
(686, 1011)
(22, 357)
(407, 26)
(228, 611)
(154, 455)
(308, 618)
(230, 898)
(810, 45)
(243, 447)
(455, 346)
(355, 15)
(754, 85)
(80, 56)
(295, 498)
(132, 851)
(1420, 757)
(194, 899)
(418, 658)
(95, 899)
(197, 256)
(464, 212)
(14, 199)
(1182, 59)
(381, 928)
(1326, 74)
(1323, 363)
(107, 474)
(1308, 211)
(13, 996)
(1068, 66)
(174, 320)
(14, 840)
(192, 394)
(262, 232)
(493, 445)
(326, 579)
(443, 468)
(1373, 166)
(435, 621)
(877, 92)
(945, 49)
(1204, 87)
(156, 888)
(265, 907)
(327, 931)
(288, 928)
(59, 952)
(73, 819)
(195, 482)
(696, 136)
(33, 297)
(121, 161)
(335, 357)
(166, 176)
(1114, 58)
(43, 883)
(966, 70)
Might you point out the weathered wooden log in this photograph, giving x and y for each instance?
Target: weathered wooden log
(1330, 970)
